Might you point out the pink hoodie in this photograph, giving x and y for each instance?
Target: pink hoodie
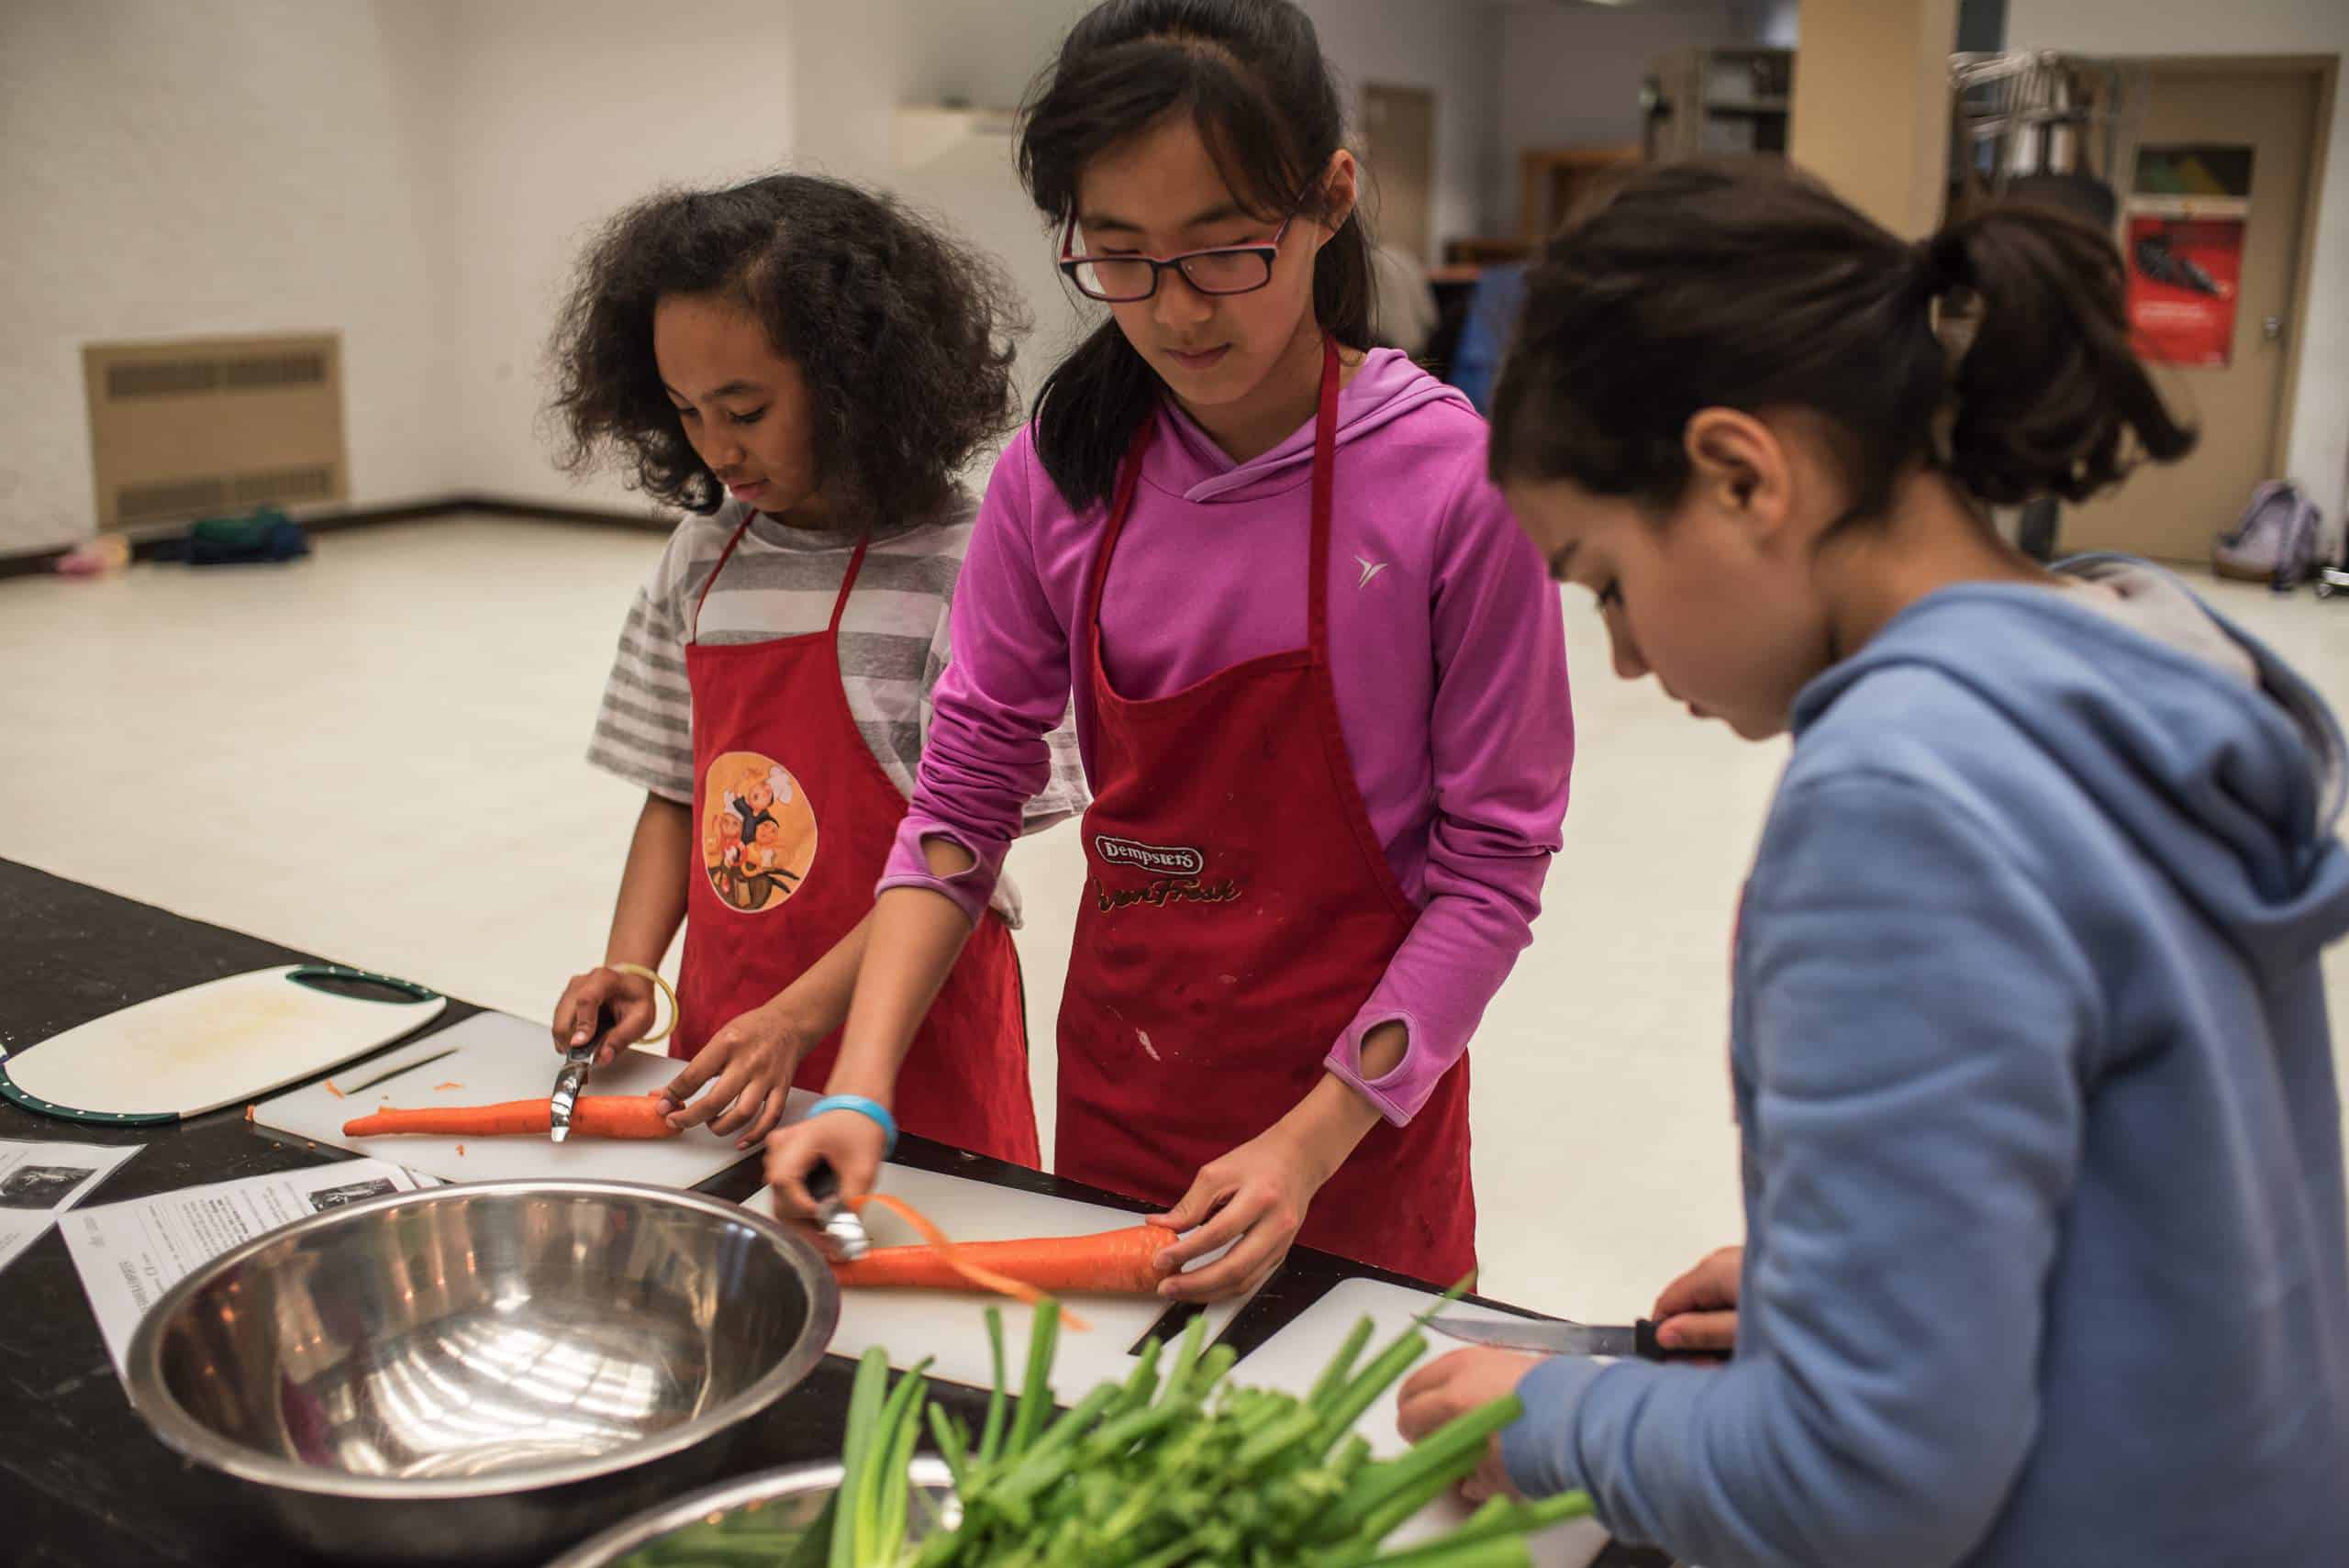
(1446, 648)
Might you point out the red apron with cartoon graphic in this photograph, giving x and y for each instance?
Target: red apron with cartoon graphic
(794, 819)
(1239, 910)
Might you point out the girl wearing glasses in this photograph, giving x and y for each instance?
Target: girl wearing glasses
(802, 367)
(1293, 616)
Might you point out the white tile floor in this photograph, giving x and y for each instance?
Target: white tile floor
(375, 755)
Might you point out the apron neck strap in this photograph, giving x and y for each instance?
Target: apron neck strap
(855, 565)
(840, 605)
(1121, 503)
(1325, 461)
(693, 632)
(1325, 468)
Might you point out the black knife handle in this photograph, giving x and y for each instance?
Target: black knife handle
(822, 1182)
(1645, 1345)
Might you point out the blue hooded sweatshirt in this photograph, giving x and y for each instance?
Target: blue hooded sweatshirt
(2044, 1227)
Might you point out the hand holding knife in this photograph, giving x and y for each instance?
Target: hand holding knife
(572, 1077)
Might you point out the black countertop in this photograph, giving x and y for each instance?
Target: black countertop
(82, 1482)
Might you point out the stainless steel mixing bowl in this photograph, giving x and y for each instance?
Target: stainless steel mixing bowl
(784, 1501)
(481, 1373)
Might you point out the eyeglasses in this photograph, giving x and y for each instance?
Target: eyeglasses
(1122, 280)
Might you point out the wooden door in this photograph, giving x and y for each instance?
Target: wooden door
(1398, 153)
(2171, 512)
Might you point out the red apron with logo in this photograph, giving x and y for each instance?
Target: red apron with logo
(794, 820)
(1238, 911)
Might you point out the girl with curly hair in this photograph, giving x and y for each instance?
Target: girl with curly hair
(803, 367)
(1296, 619)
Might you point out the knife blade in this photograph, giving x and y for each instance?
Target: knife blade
(567, 1085)
(578, 1062)
(1562, 1338)
(838, 1222)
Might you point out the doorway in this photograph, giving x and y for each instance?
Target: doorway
(2223, 178)
(1398, 137)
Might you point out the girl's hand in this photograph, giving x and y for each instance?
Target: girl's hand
(630, 998)
(1457, 1384)
(1258, 1194)
(850, 1141)
(752, 1060)
(1699, 1310)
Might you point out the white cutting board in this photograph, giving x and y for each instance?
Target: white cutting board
(500, 1057)
(1292, 1359)
(222, 1043)
(951, 1325)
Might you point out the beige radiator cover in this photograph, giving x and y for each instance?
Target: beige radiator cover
(185, 428)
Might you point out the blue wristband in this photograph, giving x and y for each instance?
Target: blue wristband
(862, 1106)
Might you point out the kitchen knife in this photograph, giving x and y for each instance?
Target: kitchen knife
(572, 1077)
(1562, 1338)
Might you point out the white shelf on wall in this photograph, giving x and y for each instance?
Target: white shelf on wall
(923, 133)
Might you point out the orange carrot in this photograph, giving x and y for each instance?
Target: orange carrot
(438, 1087)
(332, 1090)
(954, 1258)
(1121, 1262)
(597, 1116)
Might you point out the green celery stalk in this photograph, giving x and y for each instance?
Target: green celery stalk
(1444, 1456)
(1142, 1383)
(1347, 1408)
(1341, 1365)
(1498, 1552)
(1194, 1338)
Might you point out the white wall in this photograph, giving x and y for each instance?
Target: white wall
(562, 112)
(1571, 73)
(2320, 442)
(240, 166)
(1452, 48)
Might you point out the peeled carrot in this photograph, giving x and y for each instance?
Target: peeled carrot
(954, 1257)
(597, 1116)
(1116, 1263)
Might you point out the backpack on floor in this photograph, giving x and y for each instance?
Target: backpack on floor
(2275, 542)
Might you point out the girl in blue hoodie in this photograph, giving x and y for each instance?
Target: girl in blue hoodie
(2044, 1256)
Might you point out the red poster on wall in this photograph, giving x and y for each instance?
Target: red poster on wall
(2184, 274)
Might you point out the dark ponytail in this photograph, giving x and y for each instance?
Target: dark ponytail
(1251, 75)
(1700, 285)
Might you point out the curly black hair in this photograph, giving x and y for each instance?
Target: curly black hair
(903, 338)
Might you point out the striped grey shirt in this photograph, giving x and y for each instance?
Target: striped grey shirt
(782, 581)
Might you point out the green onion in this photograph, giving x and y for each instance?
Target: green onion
(991, 1437)
(1034, 1397)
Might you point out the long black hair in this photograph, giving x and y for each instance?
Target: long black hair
(1251, 76)
(1697, 286)
(901, 334)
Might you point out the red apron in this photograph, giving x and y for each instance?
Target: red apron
(1239, 910)
(794, 820)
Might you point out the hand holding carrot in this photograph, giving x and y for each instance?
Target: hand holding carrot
(1254, 1197)
(1699, 1310)
(630, 998)
(747, 1067)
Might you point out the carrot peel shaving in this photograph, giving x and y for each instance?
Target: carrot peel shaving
(951, 1256)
